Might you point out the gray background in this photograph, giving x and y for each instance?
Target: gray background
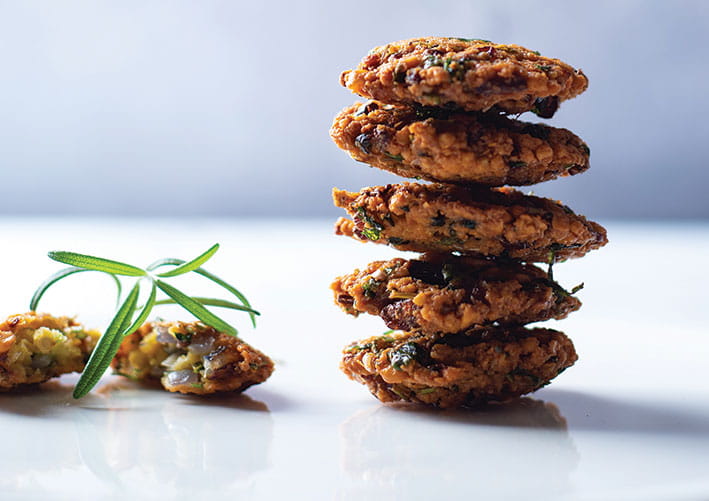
(223, 108)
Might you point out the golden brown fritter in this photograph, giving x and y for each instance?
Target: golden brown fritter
(475, 75)
(35, 347)
(476, 221)
(492, 364)
(456, 147)
(448, 294)
(191, 358)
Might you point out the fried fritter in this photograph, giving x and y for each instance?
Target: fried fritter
(464, 369)
(475, 75)
(448, 294)
(35, 347)
(191, 358)
(470, 220)
(456, 147)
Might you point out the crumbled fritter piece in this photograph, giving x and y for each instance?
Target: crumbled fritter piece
(445, 293)
(191, 358)
(35, 347)
(476, 221)
(456, 147)
(464, 369)
(475, 75)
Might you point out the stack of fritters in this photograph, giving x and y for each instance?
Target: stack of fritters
(458, 311)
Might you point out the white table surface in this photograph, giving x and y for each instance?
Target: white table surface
(629, 421)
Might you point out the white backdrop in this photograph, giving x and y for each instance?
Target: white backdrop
(222, 108)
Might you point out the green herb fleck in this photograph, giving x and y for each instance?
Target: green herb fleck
(398, 393)
(432, 60)
(472, 40)
(371, 234)
(373, 229)
(543, 67)
(404, 355)
(426, 391)
(185, 338)
(456, 69)
(398, 158)
(370, 286)
(557, 289)
(357, 347)
(516, 164)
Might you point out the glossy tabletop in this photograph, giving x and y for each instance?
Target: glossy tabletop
(629, 421)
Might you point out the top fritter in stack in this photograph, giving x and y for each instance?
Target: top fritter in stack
(438, 113)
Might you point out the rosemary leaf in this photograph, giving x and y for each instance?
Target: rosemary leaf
(196, 309)
(58, 276)
(96, 263)
(210, 276)
(229, 288)
(168, 261)
(107, 345)
(208, 301)
(191, 265)
(143, 316)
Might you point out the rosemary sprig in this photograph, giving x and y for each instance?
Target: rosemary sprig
(129, 316)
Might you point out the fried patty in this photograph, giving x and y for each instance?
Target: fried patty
(475, 75)
(191, 358)
(470, 220)
(456, 147)
(446, 293)
(35, 347)
(453, 370)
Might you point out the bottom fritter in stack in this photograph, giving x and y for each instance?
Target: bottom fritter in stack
(458, 311)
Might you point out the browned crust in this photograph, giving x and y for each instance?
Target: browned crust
(476, 221)
(454, 147)
(237, 365)
(474, 75)
(10, 379)
(444, 293)
(456, 370)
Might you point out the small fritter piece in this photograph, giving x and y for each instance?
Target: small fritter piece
(191, 358)
(453, 370)
(447, 294)
(475, 75)
(455, 147)
(35, 347)
(477, 221)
